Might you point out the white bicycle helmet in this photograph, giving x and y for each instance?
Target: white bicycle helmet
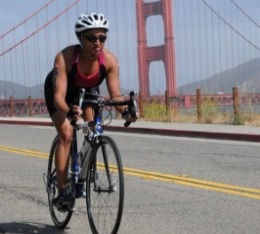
(91, 21)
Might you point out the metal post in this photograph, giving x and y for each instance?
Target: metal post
(235, 103)
(30, 108)
(167, 104)
(141, 104)
(11, 106)
(199, 104)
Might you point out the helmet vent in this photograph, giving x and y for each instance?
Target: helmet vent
(91, 21)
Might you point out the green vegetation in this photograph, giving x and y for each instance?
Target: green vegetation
(211, 113)
(155, 112)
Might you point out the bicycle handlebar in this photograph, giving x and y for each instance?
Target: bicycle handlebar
(131, 103)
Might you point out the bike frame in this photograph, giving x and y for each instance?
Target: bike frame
(98, 130)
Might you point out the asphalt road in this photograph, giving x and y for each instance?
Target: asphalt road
(181, 185)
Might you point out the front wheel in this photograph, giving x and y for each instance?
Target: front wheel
(60, 219)
(105, 188)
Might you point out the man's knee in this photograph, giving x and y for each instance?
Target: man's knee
(66, 134)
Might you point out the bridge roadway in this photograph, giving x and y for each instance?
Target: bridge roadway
(173, 184)
(196, 130)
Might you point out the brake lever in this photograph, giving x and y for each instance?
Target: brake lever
(81, 97)
(132, 107)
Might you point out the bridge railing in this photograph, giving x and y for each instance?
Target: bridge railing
(23, 107)
(202, 107)
(225, 108)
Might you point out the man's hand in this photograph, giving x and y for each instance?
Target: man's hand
(129, 117)
(75, 113)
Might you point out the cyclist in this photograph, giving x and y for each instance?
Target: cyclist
(85, 65)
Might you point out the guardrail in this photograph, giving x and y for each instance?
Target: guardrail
(22, 107)
(31, 107)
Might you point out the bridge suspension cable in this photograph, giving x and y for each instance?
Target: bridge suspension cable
(39, 29)
(26, 19)
(230, 26)
(245, 14)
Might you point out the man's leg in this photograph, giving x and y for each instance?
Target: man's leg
(65, 132)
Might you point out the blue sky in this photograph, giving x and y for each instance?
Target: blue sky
(204, 44)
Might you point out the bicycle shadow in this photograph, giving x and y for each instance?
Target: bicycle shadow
(28, 228)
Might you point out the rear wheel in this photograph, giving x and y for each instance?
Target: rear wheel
(60, 218)
(105, 188)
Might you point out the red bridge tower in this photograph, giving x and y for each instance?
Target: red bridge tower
(164, 53)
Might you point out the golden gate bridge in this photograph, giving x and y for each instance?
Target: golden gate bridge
(162, 45)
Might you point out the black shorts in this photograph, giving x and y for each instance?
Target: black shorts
(71, 96)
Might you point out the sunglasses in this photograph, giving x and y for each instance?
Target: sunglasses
(93, 38)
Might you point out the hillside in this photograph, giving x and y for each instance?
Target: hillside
(22, 92)
(245, 76)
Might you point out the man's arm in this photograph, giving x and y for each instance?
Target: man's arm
(60, 83)
(113, 83)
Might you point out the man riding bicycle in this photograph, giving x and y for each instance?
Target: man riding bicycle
(85, 65)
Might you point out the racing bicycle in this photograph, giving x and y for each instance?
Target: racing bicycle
(97, 167)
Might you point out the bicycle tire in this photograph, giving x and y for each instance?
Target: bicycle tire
(104, 202)
(60, 219)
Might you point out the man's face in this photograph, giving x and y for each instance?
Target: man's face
(93, 41)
